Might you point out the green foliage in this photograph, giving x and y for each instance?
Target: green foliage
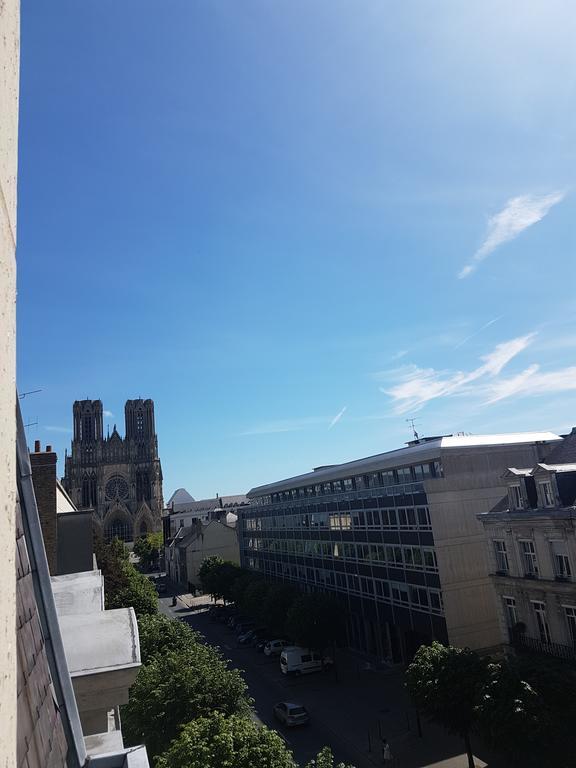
(231, 742)
(253, 599)
(527, 712)
(325, 759)
(446, 684)
(218, 576)
(276, 606)
(124, 586)
(148, 548)
(176, 687)
(315, 620)
(159, 634)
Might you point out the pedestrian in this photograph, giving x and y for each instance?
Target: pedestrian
(386, 754)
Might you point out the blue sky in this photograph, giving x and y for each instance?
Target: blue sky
(296, 224)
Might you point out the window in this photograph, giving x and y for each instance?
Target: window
(436, 602)
(510, 611)
(528, 551)
(423, 517)
(400, 593)
(570, 613)
(515, 497)
(501, 556)
(562, 568)
(542, 621)
(430, 561)
(388, 477)
(547, 495)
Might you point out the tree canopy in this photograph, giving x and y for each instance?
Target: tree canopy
(124, 586)
(234, 742)
(446, 685)
(527, 712)
(315, 620)
(159, 634)
(176, 687)
(148, 548)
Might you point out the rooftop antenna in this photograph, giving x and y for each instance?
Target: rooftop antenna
(31, 424)
(412, 422)
(22, 395)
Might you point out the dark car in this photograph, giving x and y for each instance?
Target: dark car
(251, 634)
(291, 714)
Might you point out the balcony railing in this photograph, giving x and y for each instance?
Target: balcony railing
(524, 642)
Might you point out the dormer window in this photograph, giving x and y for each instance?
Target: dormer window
(546, 493)
(515, 497)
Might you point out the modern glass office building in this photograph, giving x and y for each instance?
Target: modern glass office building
(365, 531)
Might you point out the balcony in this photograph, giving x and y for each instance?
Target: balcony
(523, 642)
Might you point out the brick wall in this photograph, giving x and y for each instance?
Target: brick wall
(44, 479)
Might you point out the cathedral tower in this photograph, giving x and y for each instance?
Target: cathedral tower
(120, 479)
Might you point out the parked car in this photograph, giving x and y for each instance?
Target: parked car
(300, 661)
(236, 619)
(291, 714)
(275, 647)
(257, 636)
(243, 627)
(249, 635)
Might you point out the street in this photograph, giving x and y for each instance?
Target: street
(267, 686)
(351, 709)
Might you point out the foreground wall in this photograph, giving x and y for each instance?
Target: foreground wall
(9, 67)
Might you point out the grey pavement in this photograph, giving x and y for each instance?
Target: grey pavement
(351, 708)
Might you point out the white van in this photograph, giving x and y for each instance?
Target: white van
(299, 661)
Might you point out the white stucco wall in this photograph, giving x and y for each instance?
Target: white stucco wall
(9, 69)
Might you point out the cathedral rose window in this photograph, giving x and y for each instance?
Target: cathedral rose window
(117, 488)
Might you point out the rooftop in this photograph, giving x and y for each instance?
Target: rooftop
(425, 449)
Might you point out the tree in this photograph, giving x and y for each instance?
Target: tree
(159, 634)
(176, 687)
(276, 606)
(124, 586)
(315, 621)
(254, 597)
(234, 742)
(325, 759)
(446, 685)
(148, 548)
(527, 712)
(208, 574)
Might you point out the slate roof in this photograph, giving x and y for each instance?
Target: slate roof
(564, 452)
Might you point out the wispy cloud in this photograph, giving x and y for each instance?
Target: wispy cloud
(533, 382)
(58, 429)
(400, 354)
(337, 418)
(483, 328)
(284, 425)
(518, 214)
(109, 414)
(417, 386)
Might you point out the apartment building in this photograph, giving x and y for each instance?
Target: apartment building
(531, 546)
(396, 536)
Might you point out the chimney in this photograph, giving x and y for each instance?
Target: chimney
(37, 447)
(44, 479)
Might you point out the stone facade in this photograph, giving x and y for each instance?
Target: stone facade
(120, 479)
(531, 549)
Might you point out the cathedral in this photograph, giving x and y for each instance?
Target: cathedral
(120, 479)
